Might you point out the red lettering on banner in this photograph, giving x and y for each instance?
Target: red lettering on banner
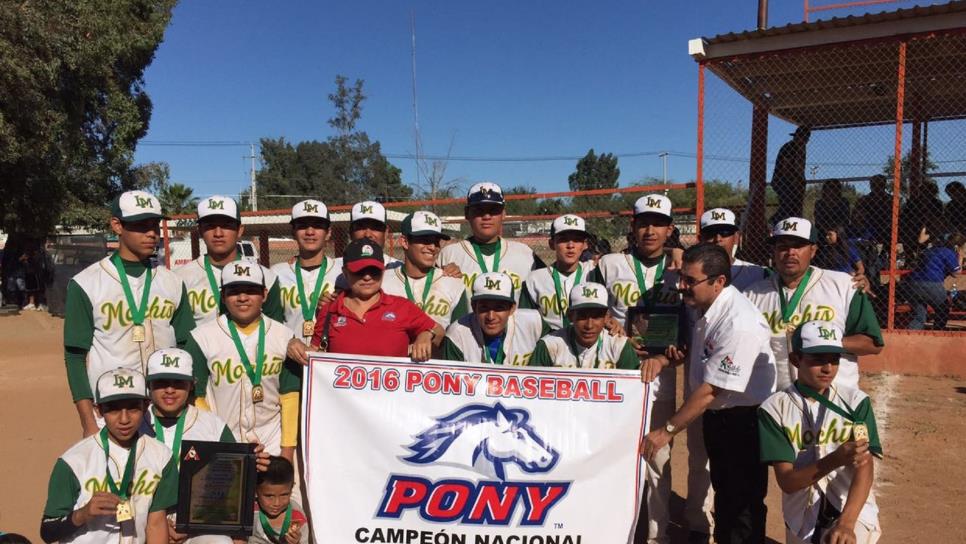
(539, 502)
(493, 503)
(447, 501)
(404, 494)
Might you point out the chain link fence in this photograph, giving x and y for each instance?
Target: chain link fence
(865, 140)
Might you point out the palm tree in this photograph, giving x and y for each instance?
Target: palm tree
(177, 199)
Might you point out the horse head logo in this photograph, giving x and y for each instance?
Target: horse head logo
(484, 438)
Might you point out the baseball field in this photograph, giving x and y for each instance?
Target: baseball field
(922, 421)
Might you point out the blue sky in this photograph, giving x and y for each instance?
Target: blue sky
(498, 78)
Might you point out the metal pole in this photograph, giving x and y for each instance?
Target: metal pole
(763, 14)
(699, 169)
(254, 190)
(663, 156)
(896, 185)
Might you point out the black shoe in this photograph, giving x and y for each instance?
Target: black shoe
(697, 537)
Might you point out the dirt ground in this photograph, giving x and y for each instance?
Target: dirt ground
(918, 485)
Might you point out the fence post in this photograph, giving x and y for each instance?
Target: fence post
(896, 184)
(699, 169)
(167, 244)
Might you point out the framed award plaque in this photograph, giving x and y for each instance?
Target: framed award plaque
(216, 489)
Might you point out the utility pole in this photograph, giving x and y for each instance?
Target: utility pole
(416, 135)
(254, 190)
(663, 156)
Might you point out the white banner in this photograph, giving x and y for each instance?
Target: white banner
(438, 452)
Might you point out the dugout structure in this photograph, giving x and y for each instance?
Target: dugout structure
(883, 93)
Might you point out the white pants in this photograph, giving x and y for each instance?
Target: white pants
(864, 534)
(700, 499)
(657, 474)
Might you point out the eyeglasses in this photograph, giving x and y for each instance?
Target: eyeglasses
(690, 282)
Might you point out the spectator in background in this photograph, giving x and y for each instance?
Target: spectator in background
(831, 210)
(838, 253)
(924, 285)
(872, 215)
(955, 213)
(38, 274)
(788, 179)
(922, 211)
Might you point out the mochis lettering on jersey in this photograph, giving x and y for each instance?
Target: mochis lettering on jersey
(290, 295)
(475, 503)
(202, 301)
(117, 313)
(836, 432)
(143, 485)
(231, 372)
(819, 312)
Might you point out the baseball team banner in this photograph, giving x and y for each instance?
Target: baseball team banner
(438, 452)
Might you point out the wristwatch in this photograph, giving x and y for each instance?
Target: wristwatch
(670, 428)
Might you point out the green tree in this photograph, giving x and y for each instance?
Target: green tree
(906, 170)
(346, 168)
(177, 199)
(74, 106)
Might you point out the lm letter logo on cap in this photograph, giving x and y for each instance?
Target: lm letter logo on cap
(365, 209)
(431, 221)
(490, 283)
(124, 381)
(590, 292)
(311, 208)
(216, 204)
(717, 216)
(570, 221)
(485, 439)
(790, 225)
(142, 202)
(243, 271)
(826, 334)
(653, 202)
(168, 361)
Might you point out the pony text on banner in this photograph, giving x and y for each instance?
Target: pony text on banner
(437, 452)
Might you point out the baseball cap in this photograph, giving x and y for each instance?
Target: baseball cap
(242, 273)
(818, 337)
(136, 206)
(362, 253)
(568, 222)
(311, 209)
(493, 286)
(796, 227)
(120, 384)
(368, 210)
(588, 295)
(170, 364)
(655, 203)
(423, 223)
(719, 219)
(218, 205)
(484, 193)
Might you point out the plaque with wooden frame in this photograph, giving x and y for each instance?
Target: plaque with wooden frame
(216, 489)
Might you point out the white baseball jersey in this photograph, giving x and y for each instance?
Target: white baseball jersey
(445, 293)
(524, 328)
(543, 291)
(827, 297)
(730, 349)
(391, 263)
(743, 274)
(200, 295)
(516, 261)
(616, 271)
(801, 431)
(560, 350)
(229, 390)
(84, 465)
(112, 345)
(198, 425)
(290, 292)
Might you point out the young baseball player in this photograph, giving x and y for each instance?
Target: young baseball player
(496, 332)
(116, 485)
(799, 292)
(719, 226)
(312, 275)
(240, 368)
(279, 518)
(443, 298)
(220, 227)
(547, 288)
(121, 309)
(584, 342)
(486, 251)
(644, 277)
(820, 439)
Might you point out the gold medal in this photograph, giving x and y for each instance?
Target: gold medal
(790, 328)
(124, 512)
(308, 328)
(860, 432)
(258, 394)
(137, 333)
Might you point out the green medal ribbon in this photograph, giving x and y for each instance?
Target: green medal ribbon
(409, 289)
(213, 283)
(255, 375)
(824, 401)
(572, 340)
(128, 468)
(137, 313)
(500, 355)
(178, 432)
(482, 263)
(789, 308)
(639, 272)
(309, 306)
(560, 296)
(267, 527)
